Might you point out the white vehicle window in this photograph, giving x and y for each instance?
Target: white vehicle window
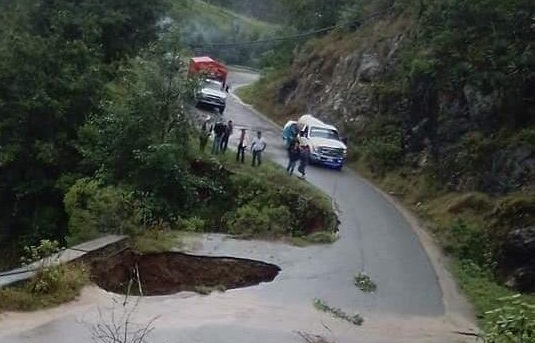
(212, 85)
(323, 133)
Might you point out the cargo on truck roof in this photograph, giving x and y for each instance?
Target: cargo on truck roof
(213, 69)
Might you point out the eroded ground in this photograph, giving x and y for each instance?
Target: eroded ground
(415, 300)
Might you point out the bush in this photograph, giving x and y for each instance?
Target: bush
(68, 280)
(248, 220)
(52, 283)
(467, 242)
(95, 209)
(192, 224)
(513, 322)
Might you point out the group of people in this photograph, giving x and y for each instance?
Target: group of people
(222, 132)
(298, 151)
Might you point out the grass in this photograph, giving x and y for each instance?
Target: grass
(309, 338)
(154, 241)
(200, 11)
(439, 210)
(356, 319)
(206, 290)
(66, 284)
(320, 237)
(271, 172)
(364, 283)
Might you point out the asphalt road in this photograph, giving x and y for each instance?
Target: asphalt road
(414, 301)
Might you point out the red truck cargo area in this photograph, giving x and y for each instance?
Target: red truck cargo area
(214, 69)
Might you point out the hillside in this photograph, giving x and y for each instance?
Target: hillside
(439, 111)
(202, 24)
(267, 10)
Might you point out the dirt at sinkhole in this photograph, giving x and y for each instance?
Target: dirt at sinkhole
(173, 272)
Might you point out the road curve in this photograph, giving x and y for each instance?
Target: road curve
(375, 238)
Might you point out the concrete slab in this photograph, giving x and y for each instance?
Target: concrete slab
(95, 248)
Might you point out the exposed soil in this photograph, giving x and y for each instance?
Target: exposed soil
(173, 272)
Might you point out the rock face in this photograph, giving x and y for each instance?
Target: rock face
(519, 259)
(363, 87)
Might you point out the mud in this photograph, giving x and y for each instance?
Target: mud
(173, 272)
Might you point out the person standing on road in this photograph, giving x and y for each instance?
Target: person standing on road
(242, 145)
(219, 130)
(226, 135)
(293, 155)
(204, 135)
(303, 159)
(257, 147)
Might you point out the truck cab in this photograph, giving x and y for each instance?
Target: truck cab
(326, 146)
(211, 93)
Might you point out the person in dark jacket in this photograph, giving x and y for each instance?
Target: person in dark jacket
(293, 155)
(204, 135)
(226, 135)
(303, 159)
(219, 130)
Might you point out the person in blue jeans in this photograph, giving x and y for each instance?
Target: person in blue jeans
(257, 147)
(303, 160)
(219, 130)
(293, 155)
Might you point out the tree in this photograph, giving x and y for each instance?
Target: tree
(55, 57)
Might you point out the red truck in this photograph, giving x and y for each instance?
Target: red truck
(214, 69)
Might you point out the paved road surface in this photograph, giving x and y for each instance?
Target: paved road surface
(408, 306)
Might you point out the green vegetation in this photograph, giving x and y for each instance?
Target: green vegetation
(157, 240)
(64, 284)
(95, 134)
(205, 290)
(449, 128)
(513, 322)
(203, 24)
(356, 319)
(52, 285)
(267, 10)
(364, 283)
(268, 205)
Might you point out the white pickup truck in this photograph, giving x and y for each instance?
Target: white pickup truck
(326, 146)
(212, 93)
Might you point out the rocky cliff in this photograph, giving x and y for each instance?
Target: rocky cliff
(472, 137)
(419, 98)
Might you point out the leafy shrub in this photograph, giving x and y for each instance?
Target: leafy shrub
(301, 209)
(52, 284)
(467, 242)
(155, 240)
(95, 209)
(513, 211)
(474, 201)
(63, 284)
(248, 220)
(513, 322)
(192, 224)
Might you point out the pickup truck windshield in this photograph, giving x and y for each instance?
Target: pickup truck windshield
(324, 133)
(212, 85)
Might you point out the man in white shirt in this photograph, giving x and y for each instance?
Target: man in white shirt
(257, 147)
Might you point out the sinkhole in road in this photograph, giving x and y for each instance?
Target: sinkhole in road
(173, 272)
